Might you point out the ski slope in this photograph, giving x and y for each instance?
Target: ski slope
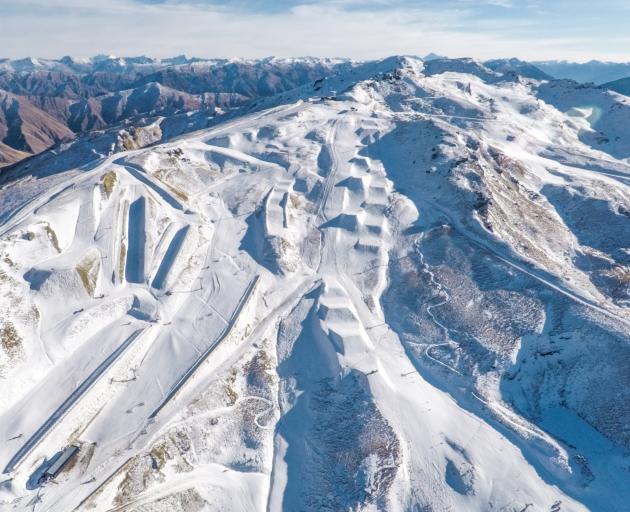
(405, 287)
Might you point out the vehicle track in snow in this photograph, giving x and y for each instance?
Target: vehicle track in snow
(210, 413)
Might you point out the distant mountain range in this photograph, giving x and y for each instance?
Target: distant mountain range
(594, 71)
(43, 102)
(46, 101)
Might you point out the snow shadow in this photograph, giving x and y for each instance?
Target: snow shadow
(169, 258)
(36, 278)
(134, 269)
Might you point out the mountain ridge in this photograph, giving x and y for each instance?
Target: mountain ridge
(73, 91)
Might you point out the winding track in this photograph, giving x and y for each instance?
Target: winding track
(429, 309)
(504, 414)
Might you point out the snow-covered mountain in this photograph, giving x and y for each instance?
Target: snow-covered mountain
(402, 287)
(517, 66)
(77, 96)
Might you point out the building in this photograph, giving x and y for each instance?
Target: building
(59, 462)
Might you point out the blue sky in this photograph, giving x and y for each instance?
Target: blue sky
(577, 30)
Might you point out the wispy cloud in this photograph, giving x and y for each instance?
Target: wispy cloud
(362, 29)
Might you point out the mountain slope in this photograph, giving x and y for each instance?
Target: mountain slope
(403, 287)
(622, 86)
(27, 129)
(9, 155)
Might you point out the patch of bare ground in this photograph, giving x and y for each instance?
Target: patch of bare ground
(10, 340)
(88, 269)
(52, 236)
(108, 182)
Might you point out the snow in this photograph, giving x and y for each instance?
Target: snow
(378, 293)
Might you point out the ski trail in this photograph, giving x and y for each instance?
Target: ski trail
(169, 257)
(189, 373)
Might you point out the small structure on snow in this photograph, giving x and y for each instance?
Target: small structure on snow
(58, 463)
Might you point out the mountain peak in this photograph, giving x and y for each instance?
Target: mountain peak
(433, 56)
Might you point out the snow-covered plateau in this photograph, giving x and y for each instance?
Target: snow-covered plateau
(403, 287)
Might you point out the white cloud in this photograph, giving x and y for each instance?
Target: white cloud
(51, 28)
